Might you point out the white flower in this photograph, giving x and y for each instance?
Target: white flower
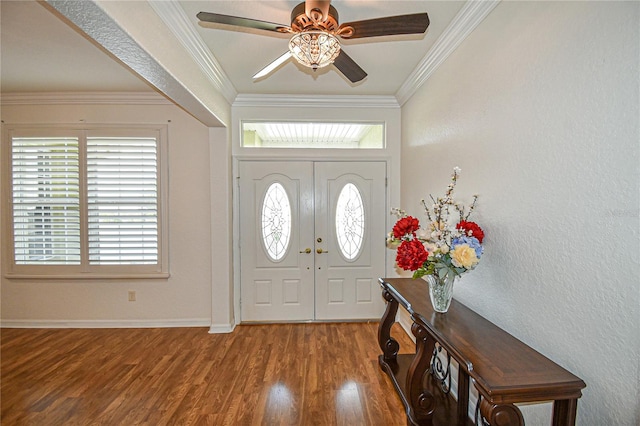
(422, 234)
(392, 242)
(431, 247)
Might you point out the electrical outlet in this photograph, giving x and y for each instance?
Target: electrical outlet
(132, 296)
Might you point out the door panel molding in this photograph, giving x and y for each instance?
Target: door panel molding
(358, 276)
(290, 279)
(313, 280)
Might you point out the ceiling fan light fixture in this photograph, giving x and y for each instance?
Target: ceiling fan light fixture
(314, 49)
(315, 29)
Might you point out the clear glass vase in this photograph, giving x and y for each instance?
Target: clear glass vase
(441, 291)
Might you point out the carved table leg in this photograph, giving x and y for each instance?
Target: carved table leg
(501, 414)
(463, 396)
(388, 345)
(421, 402)
(564, 412)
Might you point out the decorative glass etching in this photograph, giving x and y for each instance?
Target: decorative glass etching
(276, 221)
(350, 221)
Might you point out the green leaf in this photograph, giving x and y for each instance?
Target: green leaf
(442, 273)
(419, 273)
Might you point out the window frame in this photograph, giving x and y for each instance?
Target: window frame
(313, 127)
(84, 270)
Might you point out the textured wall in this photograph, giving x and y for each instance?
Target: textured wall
(540, 109)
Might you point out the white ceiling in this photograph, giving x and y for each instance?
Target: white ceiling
(40, 52)
(388, 61)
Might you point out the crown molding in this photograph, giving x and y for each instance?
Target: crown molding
(463, 24)
(315, 101)
(84, 98)
(176, 19)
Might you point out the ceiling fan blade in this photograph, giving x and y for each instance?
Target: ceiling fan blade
(321, 5)
(391, 25)
(217, 18)
(272, 66)
(349, 68)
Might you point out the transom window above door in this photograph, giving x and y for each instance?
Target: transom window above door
(283, 134)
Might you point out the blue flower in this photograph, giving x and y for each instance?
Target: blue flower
(470, 241)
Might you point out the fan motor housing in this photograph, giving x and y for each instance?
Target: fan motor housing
(301, 22)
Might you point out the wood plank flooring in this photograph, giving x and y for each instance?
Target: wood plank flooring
(282, 374)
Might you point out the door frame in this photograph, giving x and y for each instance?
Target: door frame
(321, 157)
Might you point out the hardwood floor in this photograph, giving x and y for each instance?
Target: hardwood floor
(284, 374)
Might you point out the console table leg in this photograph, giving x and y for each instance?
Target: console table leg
(564, 412)
(388, 345)
(422, 403)
(463, 396)
(501, 414)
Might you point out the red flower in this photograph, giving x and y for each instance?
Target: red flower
(471, 229)
(406, 225)
(411, 255)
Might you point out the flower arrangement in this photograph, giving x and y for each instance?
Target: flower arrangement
(448, 247)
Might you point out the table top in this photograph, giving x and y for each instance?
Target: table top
(505, 370)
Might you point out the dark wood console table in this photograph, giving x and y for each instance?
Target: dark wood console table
(503, 370)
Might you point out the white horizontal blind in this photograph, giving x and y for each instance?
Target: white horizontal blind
(122, 200)
(46, 200)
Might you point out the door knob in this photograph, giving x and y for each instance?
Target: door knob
(320, 251)
(307, 250)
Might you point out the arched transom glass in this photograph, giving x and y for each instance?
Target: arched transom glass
(350, 221)
(276, 221)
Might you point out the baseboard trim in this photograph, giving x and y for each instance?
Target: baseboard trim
(195, 322)
(221, 328)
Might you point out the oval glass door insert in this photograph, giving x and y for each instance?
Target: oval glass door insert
(276, 221)
(350, 221)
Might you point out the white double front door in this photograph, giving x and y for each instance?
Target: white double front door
(311, 240)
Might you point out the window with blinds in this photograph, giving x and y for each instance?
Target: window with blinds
(87, 203)
(122, 199)
(46, 200)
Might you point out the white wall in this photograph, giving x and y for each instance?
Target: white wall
(222, 315)
(540, 109)
(183, 299)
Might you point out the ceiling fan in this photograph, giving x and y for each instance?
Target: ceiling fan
(315, 29)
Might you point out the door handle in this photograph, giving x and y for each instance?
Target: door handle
(320, 251)
(307, 250)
